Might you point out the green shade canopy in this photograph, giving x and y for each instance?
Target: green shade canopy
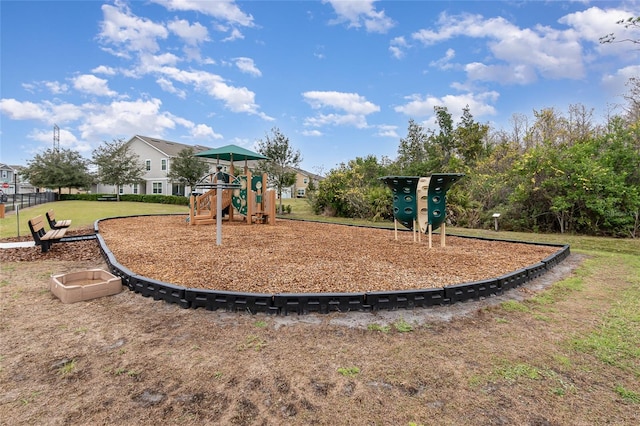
(231, 153)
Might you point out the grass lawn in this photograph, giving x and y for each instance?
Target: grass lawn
(82, 213)
(301, 209)
(85, 213)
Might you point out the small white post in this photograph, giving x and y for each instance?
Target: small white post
(443, 234)
(430, 232)
(395, 228)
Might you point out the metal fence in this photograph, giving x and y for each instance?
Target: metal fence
(13, 201)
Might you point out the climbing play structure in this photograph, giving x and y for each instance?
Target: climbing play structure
(419, 203)
(246, 195)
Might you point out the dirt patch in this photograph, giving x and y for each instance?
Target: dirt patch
(126, 359)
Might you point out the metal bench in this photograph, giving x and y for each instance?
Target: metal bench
(43, 238)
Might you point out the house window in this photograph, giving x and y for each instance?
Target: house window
(5, 174)
(157, 187)
(305, 181)
(163, 164)
(300, 193)
(120, 189)
(147, 165)
(134, 189)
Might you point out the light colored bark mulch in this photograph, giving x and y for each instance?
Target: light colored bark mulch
(304, 257)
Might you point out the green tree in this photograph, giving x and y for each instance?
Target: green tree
(590, 187)
(412, 154)
(57, 169)
(470, 138)
(187, 169)
(354, 190)
(440, 145)
(117, 164)
(282, 160)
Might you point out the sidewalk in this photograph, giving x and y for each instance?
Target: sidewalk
(17, 245)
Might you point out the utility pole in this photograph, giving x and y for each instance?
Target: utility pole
(56, 138)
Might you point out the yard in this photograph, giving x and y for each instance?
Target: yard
(560, 350)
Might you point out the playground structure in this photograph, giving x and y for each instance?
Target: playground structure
(419, 203)
(244, 194)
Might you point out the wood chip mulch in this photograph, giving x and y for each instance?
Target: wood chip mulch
(304, 257)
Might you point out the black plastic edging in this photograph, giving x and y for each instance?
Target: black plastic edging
(324, 303)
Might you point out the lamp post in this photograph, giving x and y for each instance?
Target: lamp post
(495, 220)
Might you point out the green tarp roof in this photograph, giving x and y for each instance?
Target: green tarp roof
(231, 153)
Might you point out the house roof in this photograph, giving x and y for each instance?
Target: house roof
(309, 174)
(169, 148)
(10, 167)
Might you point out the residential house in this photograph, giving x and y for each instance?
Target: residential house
(303, 179)
(11, 182)
(156, 155)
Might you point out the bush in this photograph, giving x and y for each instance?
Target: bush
(140, 198)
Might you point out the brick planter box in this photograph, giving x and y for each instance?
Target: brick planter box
(84, 285)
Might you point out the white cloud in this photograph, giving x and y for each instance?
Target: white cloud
(151, 63)
(191, 34)
(361, 13)
(202, 131)
(224, 10)
(349, 102)
(235, 34)
(444, 63)
(17, 110)
(96, 122)
(354, 109)
(103, 69)
(247, 66)
(531, 52)
(127, 118)
(616, 84)
(168, 86)
(67, 140)
(479, 103)
(398, 46)
(89, 83)
(593, 23)
(54, 87)
(46, 112)
(320, 120)
(387, 131)
(140, 36)
(506, 74)
(121, 28)
(236, 99)
(312, 133)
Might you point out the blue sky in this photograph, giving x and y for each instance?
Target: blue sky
(340, 79)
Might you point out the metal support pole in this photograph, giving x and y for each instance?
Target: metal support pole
(219, 187)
